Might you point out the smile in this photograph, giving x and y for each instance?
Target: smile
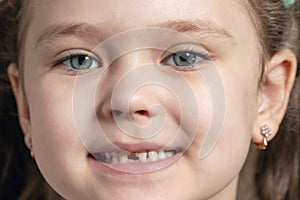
(136, 159)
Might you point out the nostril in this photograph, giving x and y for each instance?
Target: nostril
(116, 113)
(142, 112)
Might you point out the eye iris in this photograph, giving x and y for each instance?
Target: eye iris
(81, 62)
(184, 58)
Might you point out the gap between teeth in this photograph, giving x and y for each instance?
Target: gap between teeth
(151, 156)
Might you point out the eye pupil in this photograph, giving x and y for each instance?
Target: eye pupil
(184, 58)
(81, 62)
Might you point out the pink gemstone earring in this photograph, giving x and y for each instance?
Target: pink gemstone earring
(265, 131)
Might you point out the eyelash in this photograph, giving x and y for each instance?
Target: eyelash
(199, 52)
(71, 55)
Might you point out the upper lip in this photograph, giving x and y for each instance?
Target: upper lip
(136, 147)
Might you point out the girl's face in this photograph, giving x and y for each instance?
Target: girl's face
(224, 39)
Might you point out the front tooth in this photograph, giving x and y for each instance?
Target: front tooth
(153, 156)
(142, 156)
(162, 155)
(123, 158)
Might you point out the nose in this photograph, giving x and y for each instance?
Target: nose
(140, 107)
(123, 94)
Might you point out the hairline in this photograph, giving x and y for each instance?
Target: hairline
(25, 18)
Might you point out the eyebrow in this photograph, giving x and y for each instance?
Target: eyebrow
(93, 32)
(198, 26)
(80, 30)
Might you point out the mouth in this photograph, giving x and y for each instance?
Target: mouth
(134, 157)
(139, 159)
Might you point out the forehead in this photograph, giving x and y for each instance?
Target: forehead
(116, 16)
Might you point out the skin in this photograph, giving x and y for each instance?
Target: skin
(59, 153)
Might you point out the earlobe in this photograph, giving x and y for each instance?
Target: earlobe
(23, 111)
(274, 92)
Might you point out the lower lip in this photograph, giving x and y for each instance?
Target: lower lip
(135, 168)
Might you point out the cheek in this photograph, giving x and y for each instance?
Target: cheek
(228, 155)
(55, 141)
(240, 117)
(51, 114)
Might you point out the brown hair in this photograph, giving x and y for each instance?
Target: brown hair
(19, 176)
(278, 168)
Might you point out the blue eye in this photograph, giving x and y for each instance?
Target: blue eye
(81, 62)
(184, 59)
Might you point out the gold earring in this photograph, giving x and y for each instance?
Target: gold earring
(30, 147)
(265, 131)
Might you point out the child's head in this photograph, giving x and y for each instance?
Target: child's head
(252, 44)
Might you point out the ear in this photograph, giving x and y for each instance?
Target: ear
(23, 111)
(274, 92)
